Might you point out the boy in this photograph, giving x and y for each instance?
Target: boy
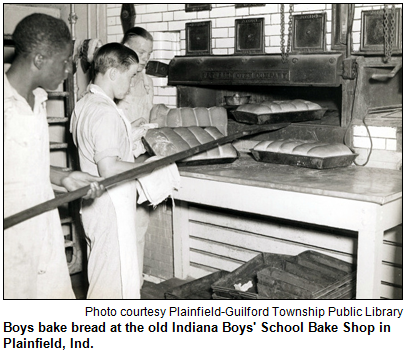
(137, 106)
(34, 256)
(102, 134)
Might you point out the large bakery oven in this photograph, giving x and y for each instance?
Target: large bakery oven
(345, 87)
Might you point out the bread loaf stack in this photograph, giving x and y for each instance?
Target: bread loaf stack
(304, 148)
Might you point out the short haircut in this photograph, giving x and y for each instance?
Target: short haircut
(113, 55)
(40, 33)
(136, 32)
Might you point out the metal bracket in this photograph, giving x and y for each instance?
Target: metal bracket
(157, 68)
(350, 67)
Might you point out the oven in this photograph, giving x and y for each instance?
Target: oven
(347, 87)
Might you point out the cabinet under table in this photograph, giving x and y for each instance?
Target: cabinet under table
(367, 201)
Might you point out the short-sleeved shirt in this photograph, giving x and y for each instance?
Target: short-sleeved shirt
(23, 128)
(98, 130)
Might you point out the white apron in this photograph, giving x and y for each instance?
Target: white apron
(124, 197)
(34, 255)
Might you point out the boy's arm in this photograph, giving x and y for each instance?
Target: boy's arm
(109, 166)
(76, 180)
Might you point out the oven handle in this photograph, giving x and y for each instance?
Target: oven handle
(384, 77)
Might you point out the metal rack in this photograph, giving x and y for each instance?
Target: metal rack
(69, 213)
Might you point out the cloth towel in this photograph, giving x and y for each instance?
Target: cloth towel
(158, 185)
(137, 132)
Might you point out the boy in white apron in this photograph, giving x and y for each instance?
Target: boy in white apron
(102, 134)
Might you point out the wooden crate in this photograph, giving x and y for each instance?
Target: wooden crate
(197, 289)
(224, 288)
(309, 275)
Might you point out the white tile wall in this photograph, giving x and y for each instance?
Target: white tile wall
(391, 144)
(113, 11)
(364, 142)
(383, 138)
(161, 8)
(375, 131)
(380, 158)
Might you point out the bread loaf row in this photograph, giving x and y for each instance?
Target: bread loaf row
(304, 148)
(200, 116)
(273, 107)
(167, 141)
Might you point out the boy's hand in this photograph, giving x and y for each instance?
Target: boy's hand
(77, 180)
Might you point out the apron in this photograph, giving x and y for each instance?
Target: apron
(124, 197)
(34, 257)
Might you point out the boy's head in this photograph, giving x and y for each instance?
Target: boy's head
(46, 43)
(118, 64)
(141, 41)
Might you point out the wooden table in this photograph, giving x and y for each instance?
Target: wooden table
(364, 200)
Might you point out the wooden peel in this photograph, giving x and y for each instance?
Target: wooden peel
(133, 173)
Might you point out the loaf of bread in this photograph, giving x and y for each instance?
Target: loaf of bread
(273, 107)
(303, 148)
(200, 116)
(167, 141)
(329, 150)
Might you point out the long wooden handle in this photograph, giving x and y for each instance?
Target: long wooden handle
(133, 173)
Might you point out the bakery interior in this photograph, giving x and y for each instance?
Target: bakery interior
(339, 66)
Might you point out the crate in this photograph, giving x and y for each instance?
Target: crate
(309, 275)
(198, 289)
(224, 287)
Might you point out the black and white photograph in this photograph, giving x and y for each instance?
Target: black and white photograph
(212, 167)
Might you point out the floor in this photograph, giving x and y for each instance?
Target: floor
(149, 291)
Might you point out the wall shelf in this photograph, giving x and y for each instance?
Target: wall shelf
(57, 120)
(58, 145)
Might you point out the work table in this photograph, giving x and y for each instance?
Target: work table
(365, 200)
(356, 183)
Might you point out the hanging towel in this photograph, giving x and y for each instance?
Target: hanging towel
(158, 185)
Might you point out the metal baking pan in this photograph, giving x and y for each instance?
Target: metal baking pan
(304, 161)
(197, 162)
(288, 117)
(194, 160)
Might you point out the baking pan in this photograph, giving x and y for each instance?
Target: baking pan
(194, 160)
(304, 161)
(197, 162)
(288, 117)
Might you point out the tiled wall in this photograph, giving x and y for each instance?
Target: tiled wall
(383, 138)
(164, 19)
(172, 17)
(386, 149)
